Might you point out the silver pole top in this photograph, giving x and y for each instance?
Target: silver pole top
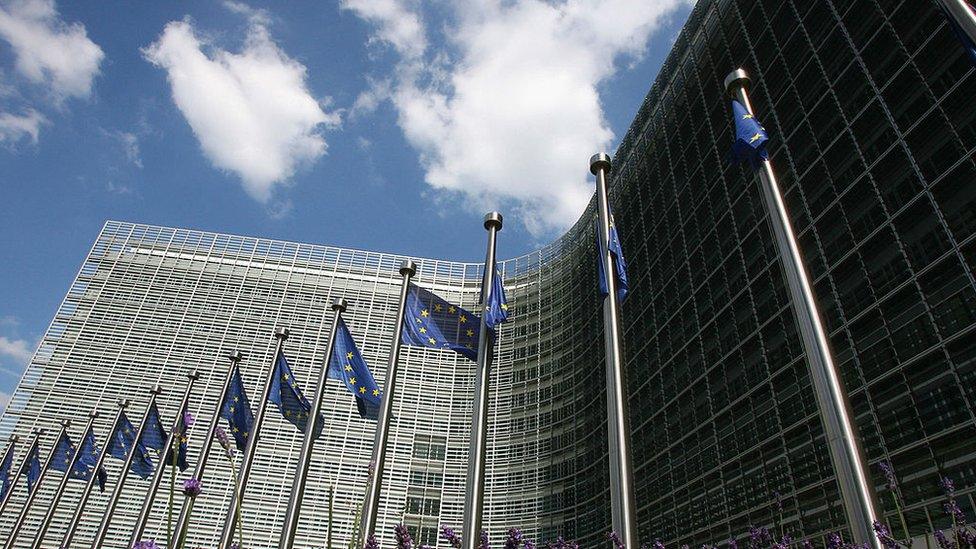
(14, 438)
(738, 78)
(339, 304)
(408, 267)
(65, 423)
(93, 414)
(37, 431)
(282, 333)
(194, 375)
(156, 390)
(124, 402)
(599, 161)
(235, 356)
(493, 219)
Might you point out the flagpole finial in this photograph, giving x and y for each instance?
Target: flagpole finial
(493, 219)
(37, 431)
(156, 390)
(339, 304)
(599, 161)
(124, 402)
(282, 333)
(93, 414)
(194, 375)
(235, 356)
(738, 78)
(65, 423)
(14, 438)
(408, 267)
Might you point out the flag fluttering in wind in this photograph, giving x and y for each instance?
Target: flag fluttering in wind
(288, 396)
(236, 409)
(750, 137)
(496, 306)
(122, 441)
(619, 265)
(347, 365)
(432, 322)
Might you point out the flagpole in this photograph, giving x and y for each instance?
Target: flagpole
(963, 14)
(157, 479)
(847, 456)
(113, 500)
(474, 493)
(20, 470)
(46, 523)
(86, 493)
(19, 524)
(251, 449)
(305, 457)
(622, 501)
(183, 522)
(14, 439)
(370, 507)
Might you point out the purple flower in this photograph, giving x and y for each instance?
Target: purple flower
(371, 542)
(806, 544)
(834, 541)
(192, 487)
(485, 544)
(733, 544)
(527, 544)
(224, 441)
(188, 419)
(403, 539)
(657, 544)
(948, 487)
(884, 535)
(451, 537)
(944, 543)
(513, 539)
(236, 545)
(889, 474)
(615, 539)
(151, 544)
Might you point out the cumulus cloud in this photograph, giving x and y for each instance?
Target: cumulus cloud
(251, 111)
(49, 51)
(14, 127)
(16, 349)
(507, 112)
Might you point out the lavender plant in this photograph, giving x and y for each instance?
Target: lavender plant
(403, 539)
(451, 537)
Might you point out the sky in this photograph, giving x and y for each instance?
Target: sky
(389, 125)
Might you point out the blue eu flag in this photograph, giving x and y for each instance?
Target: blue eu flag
(619, 265)
(431, 322)
(967, 43)
(496, 306)
(154, 435)
(236, 409)
(181, 438)
(348, 366)
(750, 137)
(64, 453)
(32, 468)
(5, 467)
(87, 459)
(122, 441)
(289, 398)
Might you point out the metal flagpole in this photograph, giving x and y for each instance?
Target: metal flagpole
(157, 479)
(622, 501)
(370, 507)
(305, 458)
(20, 470)
(183, 522)
(251, 449)
(13, 483)
(19, 524)
(474, 493)
(963, 14)
(847, 456)
(86, 493)
(117, 492)
(46, 523)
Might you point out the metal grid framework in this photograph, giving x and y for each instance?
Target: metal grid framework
(869, 105)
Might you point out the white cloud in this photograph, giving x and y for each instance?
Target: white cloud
(16, 349)
(251, 111)
(14, 127)
(507, 113)
(49, 51)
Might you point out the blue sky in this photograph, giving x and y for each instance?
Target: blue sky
(358, 123)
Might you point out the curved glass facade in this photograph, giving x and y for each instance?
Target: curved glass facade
(873, 135)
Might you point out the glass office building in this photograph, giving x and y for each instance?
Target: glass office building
(870, 109)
